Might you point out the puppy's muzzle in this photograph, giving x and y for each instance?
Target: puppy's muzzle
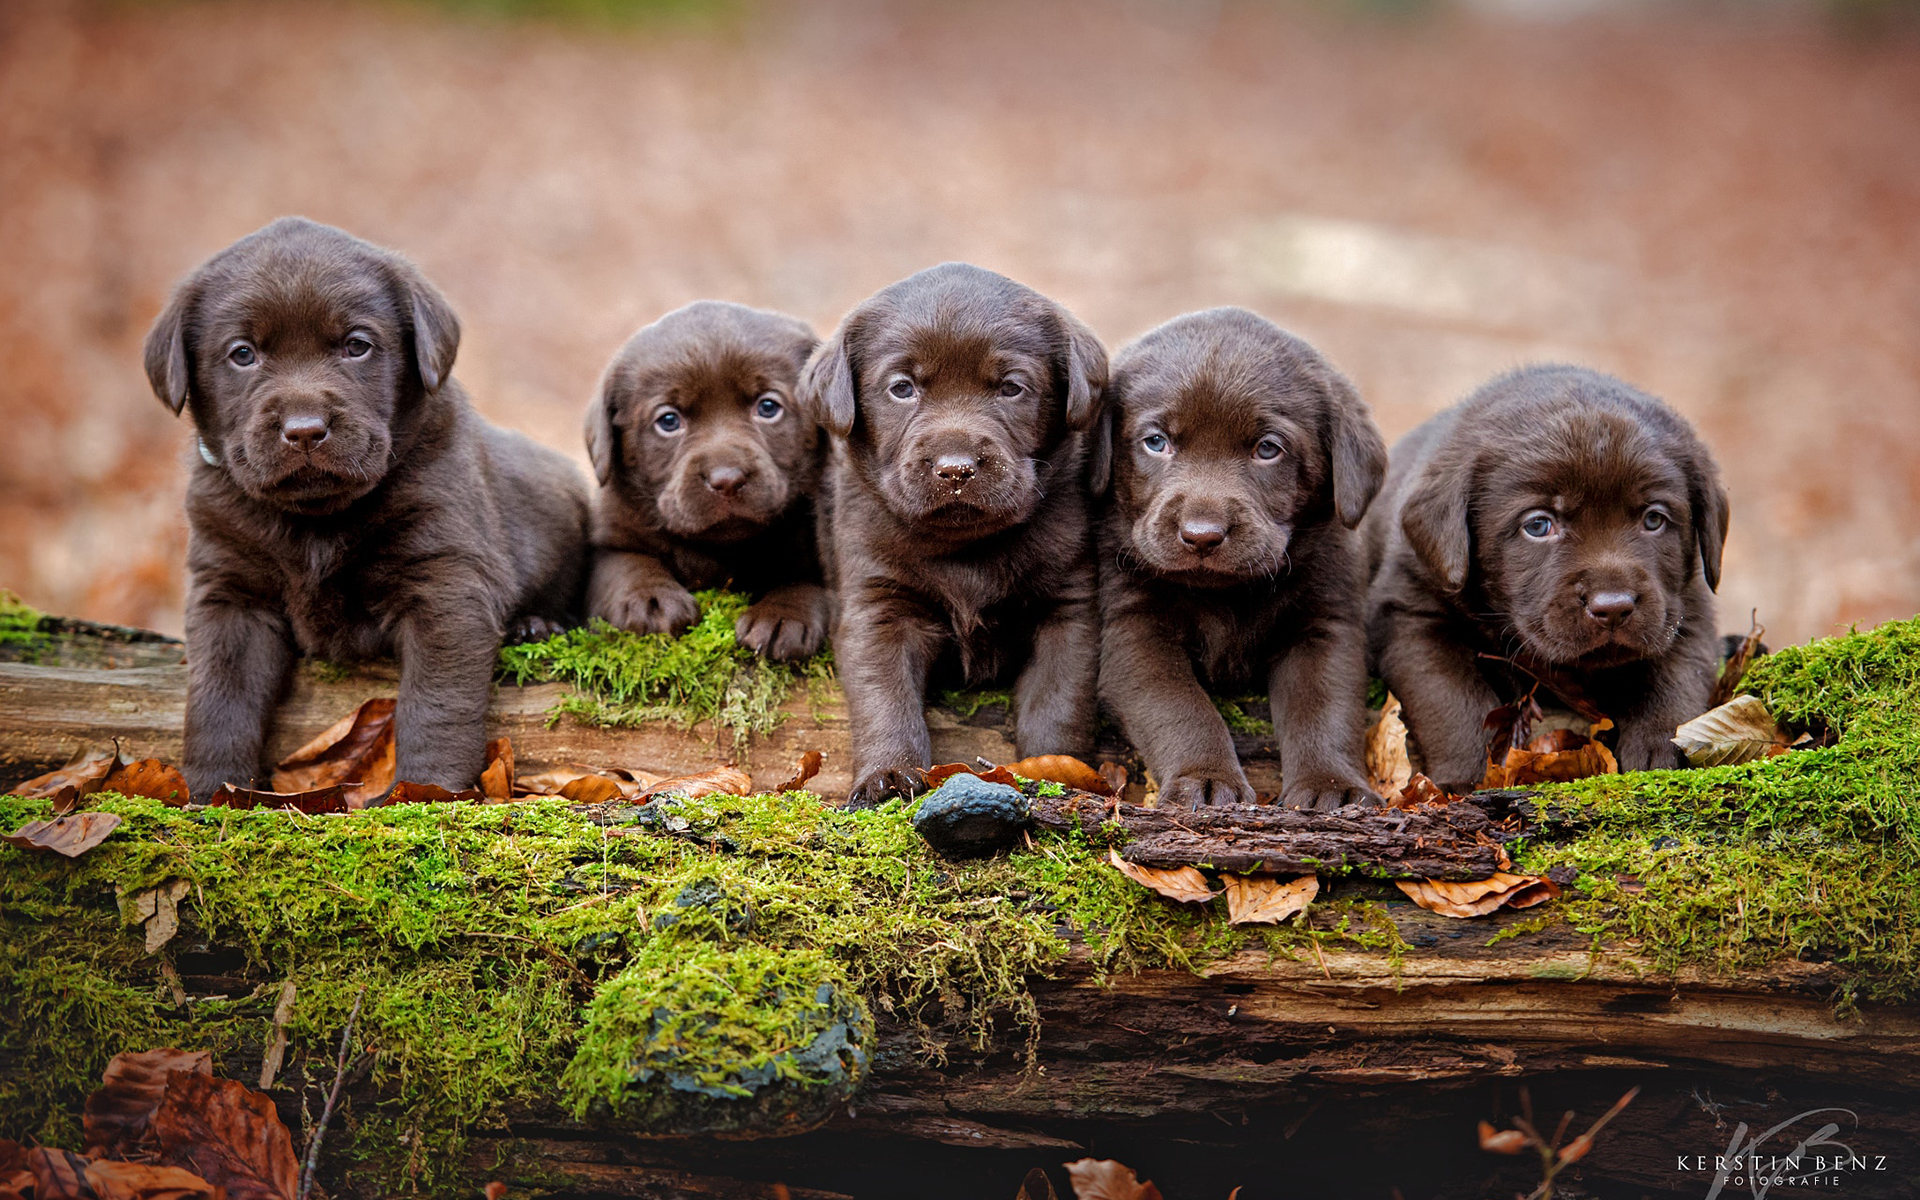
(1611, 609)
(727, 481)
(955, 470)
(1203, 535)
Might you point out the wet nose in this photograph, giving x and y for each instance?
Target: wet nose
(1202, 537)
(1610, 608)
(955, 469)
(726, 480)
(304, 433)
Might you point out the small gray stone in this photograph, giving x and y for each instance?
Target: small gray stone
(967, 817)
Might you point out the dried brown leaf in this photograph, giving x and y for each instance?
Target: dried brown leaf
(1583, 757)
(1501, 1141)
(626, 781)
(58, 1174)
(1185, 884)
(496, 782)
(1478, 897)
(1734, 670)
(1036, 1186)
(85, 772)
(120, 1111)
(1115, 775)
(229, 1134)
(1105, 1179)
(1739, 731)
(157, 911)
(937, 775)
(150, 778)
(591, 789)
(406, 792)
(320, 800)
(277, 1041)
(496, 1190)
(808, 768)
(1267, 900)
(72, 835)
(144, 1181)
(730, 780)
(1388, 768)
(1419, 790)
(356, 752)
(1065, 770)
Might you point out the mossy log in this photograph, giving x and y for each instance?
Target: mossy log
(1740, 942)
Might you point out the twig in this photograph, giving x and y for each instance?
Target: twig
(333, 1097)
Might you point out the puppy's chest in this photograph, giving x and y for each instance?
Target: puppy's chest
(339, 602)
(1232, 642)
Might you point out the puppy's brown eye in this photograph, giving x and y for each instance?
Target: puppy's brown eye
(668, 422)
(1539, 526)
(902, 389)
(1269, 448)
(768, 407)
(1654, 521)
(1009, 388)
(356, 347)
(242, 355)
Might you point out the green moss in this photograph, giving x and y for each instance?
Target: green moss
(968, 702)
(1242, 714)
(1812, 855)
(19, 622)
(632, 679)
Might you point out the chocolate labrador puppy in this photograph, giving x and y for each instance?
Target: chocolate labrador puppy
(1556, 525)
(347, 502)
(1239, 463)
(955, 514)
(707, 473)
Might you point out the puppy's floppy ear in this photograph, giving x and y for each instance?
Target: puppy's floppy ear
(435, 330)
(167, 369)
(603, 439)
(1086, 370)
(1710, 515)
(1359, 456)
(1436, 520)
(1100, 461)
(826, 391)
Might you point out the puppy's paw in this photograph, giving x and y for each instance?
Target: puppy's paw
(783, 629)
(1325, 795)
(1201, 789)
(532, 628)
(657, 608)
(204, 779)
(1648, 750)
(877, 786)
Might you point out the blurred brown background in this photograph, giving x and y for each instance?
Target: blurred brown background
(1719, 202)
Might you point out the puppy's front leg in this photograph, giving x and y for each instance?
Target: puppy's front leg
(448, 644)
(238, 657)
(1147, 680)
(1317, 690)
(788, 623)
(1433, 671)
(1054, 700)
(883, 649)
(637, 592)
(1677, 691)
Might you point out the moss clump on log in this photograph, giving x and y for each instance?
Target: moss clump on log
(1812, 855)
(628, 679)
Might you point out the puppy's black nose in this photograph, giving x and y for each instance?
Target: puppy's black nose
(955, 469)
(1611, 608)
(1203, 537)
(726, 480)
(304, 433)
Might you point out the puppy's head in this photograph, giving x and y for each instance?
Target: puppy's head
(696, 419)
(302, 350)
(1581, 508)
(1225, 437)
(951, 388)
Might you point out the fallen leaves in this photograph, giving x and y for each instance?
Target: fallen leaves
(809, 767)
(1266, 899)
(1557, 756)
(1105, 1179)
(1388, 768)
(72, 835)
(1739, 731)
(1063, 769)
(330, 799)
(157, 911)
(496, 782)
(1185, 884)
(119, 1113)
(228, 1134)
(729, 780)
(94, 770)
(355, 753)
(1478, 897)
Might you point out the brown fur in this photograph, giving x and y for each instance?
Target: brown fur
(404, 524)
(1224, 568)
(1620, 612)
(707, 469)
(955, 519)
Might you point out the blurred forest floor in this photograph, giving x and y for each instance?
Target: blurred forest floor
(1720, 203)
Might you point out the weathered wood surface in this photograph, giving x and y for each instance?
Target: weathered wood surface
(81, 689)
